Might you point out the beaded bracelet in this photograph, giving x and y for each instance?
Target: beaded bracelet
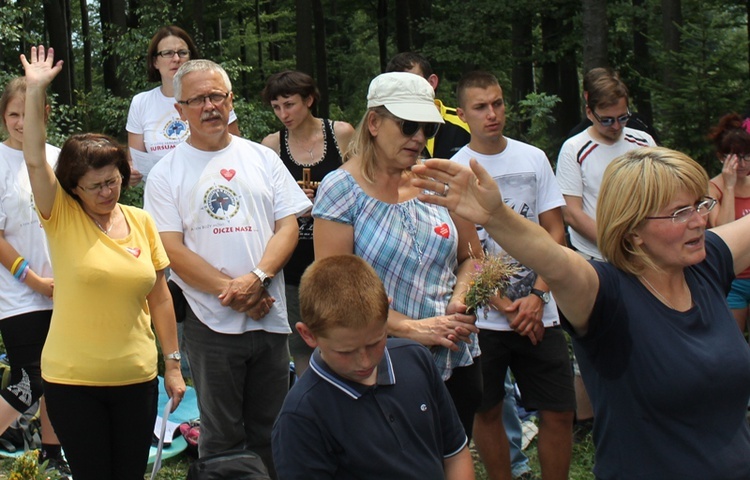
(21, 268)
(18, 261)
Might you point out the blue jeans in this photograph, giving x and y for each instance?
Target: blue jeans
(519, 463)
(240, 381)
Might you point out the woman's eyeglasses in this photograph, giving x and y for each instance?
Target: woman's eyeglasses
(216, 100)
(684, 214)
(409, 128)
(171, 53)
(99, 187)
(609, 121)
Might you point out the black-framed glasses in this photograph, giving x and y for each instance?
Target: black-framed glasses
(740, 158)
(409, 128)
(99, 187)
(685, 213)
(609, 121)
(171, 53)
(216, 99)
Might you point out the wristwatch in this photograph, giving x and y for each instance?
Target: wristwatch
(545, 296)
(265, 279)
(173, 356)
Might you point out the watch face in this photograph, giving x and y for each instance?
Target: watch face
(266, 282)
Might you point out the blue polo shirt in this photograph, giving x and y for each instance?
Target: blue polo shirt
(401, 427)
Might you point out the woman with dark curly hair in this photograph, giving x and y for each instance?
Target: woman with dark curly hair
(732, 189)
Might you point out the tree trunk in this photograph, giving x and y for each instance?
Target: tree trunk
(383, 33)
(113, 21)
(642, 65)
(321, 58)
(522, 77)
(560, 72)
(594, 34)
(403, 27)
(671, 20)
(86, 38)
(57, 18)
(304, 36)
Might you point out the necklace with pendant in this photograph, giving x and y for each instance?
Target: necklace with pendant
(662, 297)
(105, 230)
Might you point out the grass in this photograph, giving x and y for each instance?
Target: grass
(580, 469)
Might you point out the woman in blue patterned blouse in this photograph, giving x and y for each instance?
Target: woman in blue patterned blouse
(421, 252)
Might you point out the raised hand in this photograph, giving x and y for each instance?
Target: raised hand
(729, 170)
(40, 68)
(472, 194)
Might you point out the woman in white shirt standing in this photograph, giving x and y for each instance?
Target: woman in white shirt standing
(154, 125)
(26, 279)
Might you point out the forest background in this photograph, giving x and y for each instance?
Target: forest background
(686, 62)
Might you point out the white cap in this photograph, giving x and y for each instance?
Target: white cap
(406, 95)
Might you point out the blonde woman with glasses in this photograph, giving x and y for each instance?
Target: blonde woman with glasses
(666, 370)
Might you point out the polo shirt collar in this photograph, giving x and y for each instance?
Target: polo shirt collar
(354, 390)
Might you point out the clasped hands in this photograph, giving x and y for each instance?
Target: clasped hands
(245, 294)
(524, 315)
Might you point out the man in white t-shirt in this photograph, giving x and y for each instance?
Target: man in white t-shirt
(523, 332)
(226, 211)
(584, 157)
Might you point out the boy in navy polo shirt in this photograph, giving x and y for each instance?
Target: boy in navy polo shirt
(369, 407)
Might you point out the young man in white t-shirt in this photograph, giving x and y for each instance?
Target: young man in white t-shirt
(523, 333)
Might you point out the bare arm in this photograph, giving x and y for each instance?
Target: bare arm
(723, 212)
(737, 237)
(529, 310)
(8, 256)
(579, 220)
(163, 319)
(40, 70)
(247, 289)
(135, 141)
(333, 238)
(475, 196)
(272, 141)
(191, 267)
(234, 128)
(344, 133)
(459, 466)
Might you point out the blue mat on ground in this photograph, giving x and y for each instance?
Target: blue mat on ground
(188, 410)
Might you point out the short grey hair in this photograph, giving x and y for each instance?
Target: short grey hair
(201, 65)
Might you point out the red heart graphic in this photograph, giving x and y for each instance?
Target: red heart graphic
(228, 174)
(443, 230)
(135, 251)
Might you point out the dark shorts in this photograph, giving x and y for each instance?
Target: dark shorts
(542, 371)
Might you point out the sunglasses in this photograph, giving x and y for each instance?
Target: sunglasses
(409, 128)
(609, 121)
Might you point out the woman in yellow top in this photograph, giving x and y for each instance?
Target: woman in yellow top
(99, 361)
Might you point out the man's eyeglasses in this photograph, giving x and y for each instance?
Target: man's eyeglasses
(409, 128)
(99, 187)
(170, 53)
(684, 214)
(609, 121)
(216, 100)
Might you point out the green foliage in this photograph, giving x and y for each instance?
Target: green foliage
(256, 120)
(534, 111)
(709, 79)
